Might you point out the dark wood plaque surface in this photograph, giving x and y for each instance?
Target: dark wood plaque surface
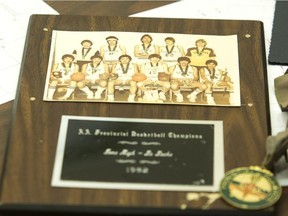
(104, 7)
(26, 182)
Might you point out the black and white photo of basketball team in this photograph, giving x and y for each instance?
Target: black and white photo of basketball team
(140, 67)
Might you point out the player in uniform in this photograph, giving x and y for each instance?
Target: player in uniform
(96, 72)
(171, 52)
(112, 51)
(83, 54)
(151, 70)
(183, 74)
(214, 78)
(211, 77)
(200, 54)
(144, 50)
(61, 73)
(123, 71)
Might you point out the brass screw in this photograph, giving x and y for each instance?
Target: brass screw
(247, 35)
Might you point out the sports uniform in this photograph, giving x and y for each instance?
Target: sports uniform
(184, 74)
(170, 54)
(199, 58)
(93, 72)
(124, 70)
(111, 55)
(144, 50)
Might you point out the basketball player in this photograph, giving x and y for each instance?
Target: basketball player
(61, 73)
(145, 49)
(171, 52)
(152, 69)
(112, 51)
(124, 70)
(183, 74)
(96, 72)
(200, 54)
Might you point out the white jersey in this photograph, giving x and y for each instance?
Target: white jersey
(152, 71)
(170, 56)
(84, 54)
(124, 73)
(179, 73)
(150, 49)
(111, 55)
(66, 72)
(145, 50)
(212, 77)
(94, 72)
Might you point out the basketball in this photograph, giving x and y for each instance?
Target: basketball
(162, 76)
(138, 77)
(77, 76)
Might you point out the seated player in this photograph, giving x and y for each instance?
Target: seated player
(123, 72)
(96, 72)
(183, 74)
(60, 74)
(213, 78)
(152, 69)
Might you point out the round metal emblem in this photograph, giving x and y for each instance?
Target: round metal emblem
(250, 188)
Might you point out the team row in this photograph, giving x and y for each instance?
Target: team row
(170, 52)
(153, 73)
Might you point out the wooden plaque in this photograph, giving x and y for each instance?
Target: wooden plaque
(26, 182)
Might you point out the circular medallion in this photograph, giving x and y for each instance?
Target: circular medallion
(250, 188)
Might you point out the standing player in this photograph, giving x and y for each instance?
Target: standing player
(112, 51)
(171, 52)
(200, 54)
(145, 49)
(83, 54)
